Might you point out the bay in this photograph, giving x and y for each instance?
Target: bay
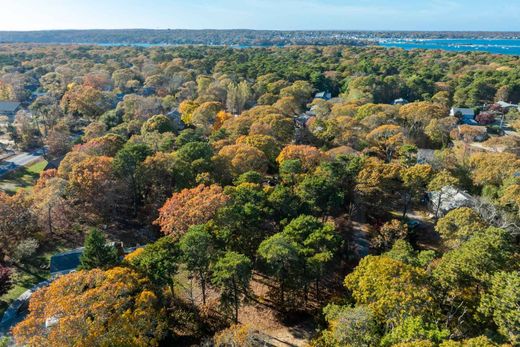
(496, 46)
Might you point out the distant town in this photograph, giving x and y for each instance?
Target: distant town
(238, 37)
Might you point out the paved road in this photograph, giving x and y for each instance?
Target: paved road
(17, 311)
(18, 160)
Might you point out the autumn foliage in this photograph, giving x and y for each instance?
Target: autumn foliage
(94, 308)
(190, 207)
(308, 155)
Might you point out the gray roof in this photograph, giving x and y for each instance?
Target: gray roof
(8, 106)
(425, 155)
(463, 111)
(451, 199)
(323, 95)
(504, 104)
(65, 262)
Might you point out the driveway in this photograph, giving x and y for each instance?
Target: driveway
(19, 160)
(17, 311)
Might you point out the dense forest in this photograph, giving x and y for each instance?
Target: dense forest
(324, 190)
(234, 37)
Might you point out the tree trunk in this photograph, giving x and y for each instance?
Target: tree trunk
(305, 286)
(49, 219)
(172, 288)
(203, 287)
(282, 293)
(407, 199)
(318, 289)
(235, 297)
(135, 194)
(438, 205)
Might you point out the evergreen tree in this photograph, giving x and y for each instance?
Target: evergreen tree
(232, 273)
(97, 254)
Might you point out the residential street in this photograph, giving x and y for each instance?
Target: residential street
(18, 160)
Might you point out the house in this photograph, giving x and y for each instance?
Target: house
(148, 91)
(466, 115)
(425, 156)
(176, 119)
(400, 101)
(66, 262)
(450, 199)
(120, 97)
(323, 95)
(506, 105)
(301, 120)
(9, 108)
(35, 95)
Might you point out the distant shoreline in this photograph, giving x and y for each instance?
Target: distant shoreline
(456, 41)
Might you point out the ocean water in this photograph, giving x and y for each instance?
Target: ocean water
(496, 46)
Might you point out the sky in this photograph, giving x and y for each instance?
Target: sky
(462, 15)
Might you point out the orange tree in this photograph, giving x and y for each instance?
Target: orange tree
(16, 222)
(309, 156)
(94, 308)
(93, 183)
(190, 207)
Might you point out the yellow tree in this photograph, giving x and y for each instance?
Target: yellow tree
(94, 308)
(391, 289)
(415, 179)
(265, 143)
(493, 168)
(386, 139)
(241, 158)
(275, 125)
(458, 225)
(510, 197)
(378, 181)
(415, 116)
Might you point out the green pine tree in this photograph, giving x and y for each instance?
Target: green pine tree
(97, 254)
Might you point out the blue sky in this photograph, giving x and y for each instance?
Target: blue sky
(499, 15)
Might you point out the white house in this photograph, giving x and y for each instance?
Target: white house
(449, 198)
(323, 95)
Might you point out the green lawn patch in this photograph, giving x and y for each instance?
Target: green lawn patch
(22, 178)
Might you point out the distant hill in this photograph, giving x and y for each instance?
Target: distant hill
(238, 37)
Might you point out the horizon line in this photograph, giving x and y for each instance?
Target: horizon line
(246, 29)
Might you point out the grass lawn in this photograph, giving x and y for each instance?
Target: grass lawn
(28, 274)
(23, 178)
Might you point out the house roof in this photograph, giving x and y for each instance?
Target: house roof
(463, 111)
(504, 104)
(400, 101)
(425, 155)
(66, 262)
(8, 106)
(323, 95)
(451, 199)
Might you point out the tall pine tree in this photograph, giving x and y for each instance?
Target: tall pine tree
(97, 254)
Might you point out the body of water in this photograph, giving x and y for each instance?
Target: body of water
(496, 46)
